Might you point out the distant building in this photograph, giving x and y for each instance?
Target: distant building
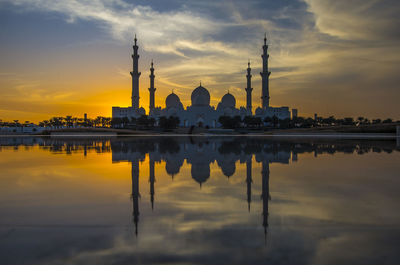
(200, 113)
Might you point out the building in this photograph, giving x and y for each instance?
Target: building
(200, 113)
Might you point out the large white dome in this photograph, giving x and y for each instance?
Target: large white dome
(228, 101)
(200, 97)
(173, 101)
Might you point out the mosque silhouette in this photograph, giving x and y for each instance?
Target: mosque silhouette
(200, 112)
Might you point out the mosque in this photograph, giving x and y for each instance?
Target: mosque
(200, 113)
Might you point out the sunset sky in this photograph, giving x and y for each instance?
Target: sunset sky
(70, 57)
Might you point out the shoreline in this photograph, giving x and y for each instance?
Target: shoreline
(342, 132)
(261, 135)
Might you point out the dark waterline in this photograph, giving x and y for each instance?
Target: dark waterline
(199, 200)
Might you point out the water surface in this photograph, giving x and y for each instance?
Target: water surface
(199, 200)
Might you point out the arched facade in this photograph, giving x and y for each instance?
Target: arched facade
(200, 113)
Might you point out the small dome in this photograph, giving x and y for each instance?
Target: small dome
(200, 97)
(172, 101)
(228, 101)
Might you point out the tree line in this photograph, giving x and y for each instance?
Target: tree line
(146, 122)
(296, 122)
(172, 122)
(142, 122)
(62, 122)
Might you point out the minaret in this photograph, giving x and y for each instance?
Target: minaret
(135, 193)
(152, 89)
(265, 195)
(135, 76)
(152, 179)
(265, 76)
(249, 180)
(248, 88)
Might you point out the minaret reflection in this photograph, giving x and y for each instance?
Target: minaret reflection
(249, 181)
(200, 154)
(135, 193)
(152, 179)
(265, 195)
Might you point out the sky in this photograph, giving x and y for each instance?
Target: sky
(329, 57)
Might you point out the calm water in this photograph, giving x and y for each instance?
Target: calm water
(161, 200)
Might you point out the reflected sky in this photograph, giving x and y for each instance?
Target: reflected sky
(199, 200)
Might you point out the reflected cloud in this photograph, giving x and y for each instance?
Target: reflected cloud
(261, 199)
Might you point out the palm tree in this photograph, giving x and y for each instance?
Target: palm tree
(97, 121)
(74, 121)
(275, 120)
(104, 121)
(68, 121)
(247, 120)
(108, 121)
(56, 122)
(80, 122)
(62, 121)
(376, 121)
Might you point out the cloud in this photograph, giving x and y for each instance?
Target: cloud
(122, 20)
(349, 50)
(357, 20)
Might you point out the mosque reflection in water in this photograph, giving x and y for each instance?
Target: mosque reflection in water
(64, 202)
(199, 153)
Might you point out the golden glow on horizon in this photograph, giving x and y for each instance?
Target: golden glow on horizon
(335, 61)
